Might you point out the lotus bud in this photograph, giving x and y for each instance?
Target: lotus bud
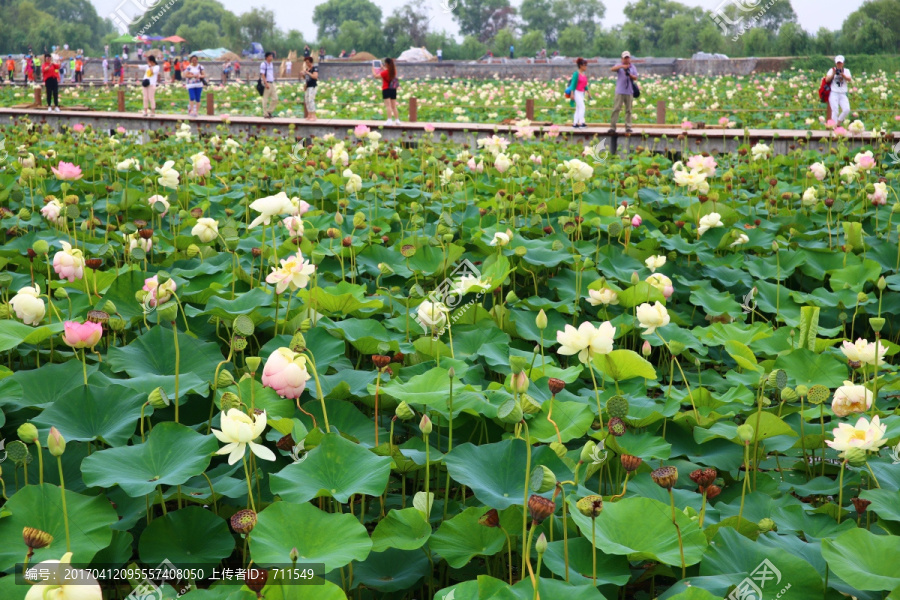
(451, 373)
(339, 219)
(590, 506)
(766, 525)
(35, 538)
(425, 425)
(294, 554)
(635, 279)
(540, 508)
(802, 390)
(541, 320)
(855, 456)
(519, 383)
(665, 477)
(404, 412)
(587, 450)
(253, 363)
(40, 247)
(745, 432)
(646, 349)
(631, 463)
(56, 443)
(559, 449)
(60, 293)
(28, 433)
(511, 297)
(540, 545)
(158, 398)
(230, 400)
(224, 379)
(243, 521)
(542, 479)
(510, 411)
(877, 323)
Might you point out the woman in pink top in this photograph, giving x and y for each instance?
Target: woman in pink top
(579, 87)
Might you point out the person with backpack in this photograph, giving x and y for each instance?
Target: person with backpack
(577, 90)
(389, 86)
(193, 75)
(838, 78)
(270, 92)
(626, 76)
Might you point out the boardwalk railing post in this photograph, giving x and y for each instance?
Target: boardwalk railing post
(37, 97)
(120, 97)
(413, 110)
(529, 109)
(210, 104)
(661, 112)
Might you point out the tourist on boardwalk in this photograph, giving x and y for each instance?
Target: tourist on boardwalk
(307, 51)
(270, 94)
(578, 88)
(194, 75)
(28, 68)
(11, 68)
(176, 68)
(310, 74)
(288, 65)
(389, 86)
(440, 55)
(148, 84)
(118, 71)
(72, 72)
(105, 70)
(626, 75)
(237, 70)
(321, 54)
(839, 77)
(50, 75)
(79, 69)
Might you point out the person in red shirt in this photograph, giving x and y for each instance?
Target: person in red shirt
(11, 68)
(389, 86)
(79, 69)
(177, 70)
(167, 66)
(50, 74)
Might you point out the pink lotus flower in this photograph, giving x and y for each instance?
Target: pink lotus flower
(685, 125)
(286, 373)
(66, 171)
(864, 160)
(841, 132)
(293, 273)
(157, 198)
(302, 208)
(636, 221)
(69, 263)
(361, 131)
(723, 121)
(82, 335)
(294, 225)
(157, 293)
(202, 166)
(51, 211)
(830, 123)
(120, 129)
(706, 164)
(553, 131)
(77, 127)
(429, 127)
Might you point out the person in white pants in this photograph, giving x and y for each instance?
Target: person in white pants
(579, 85)
(839, 78)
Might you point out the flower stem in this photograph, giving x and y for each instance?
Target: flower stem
(527, 488)
(593, 551)
(40, 454)
(678, 530)
(427, 477)
(508, 553)
(249, 487)
(84, 367)
(596, 394)
(744, 484)
(62, 489)
(177, 365)
(841, 490)
(315, 373)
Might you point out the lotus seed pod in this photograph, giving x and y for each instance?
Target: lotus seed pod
(224, 379)
(542, 479)
(766, 525)
(35, 538)
(540, 546)
(802, 390)
(25, 214)
(704, 477)
(777, 379)
(28, 433)
(40, 247)
(56, 443)
(517, 364)
(559, 449)
(158, 398)
(676, 347)
(192, 250)
(253, 363)
(116, 324)
(587, 450)
(305, 325)
(511, 297)
(230, 400)
(789, 394)
(556, 385)
(616, 426)
(60, 293)
(617, 406)
(590, 506)
(855, 456)
(380, 361)
(18, 452)
(631, 463)
(713, 491)
(541, 320)
(745, 432)
(510, 411)
(540, 508)
(425, 425)
(529, 405)
(404, 412)
(862, 298)
(614, 228)
(877, 324)
(243, 521)
(665, 477)
(298, 342)
(168, 312)
(243, 325)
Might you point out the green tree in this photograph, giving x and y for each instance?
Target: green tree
(609, 43)
(257, 24)
(646, 18)
(441, 39)
(472, 48)
(758, 42)
(552, 16)
(573, 42)
(502, 41)
(483, 18)
(531, 43)
(204, 35)
(355, 35)
(409, 21)
(793, 40)
(330, 16)
(825, 41)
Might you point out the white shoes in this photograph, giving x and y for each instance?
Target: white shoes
(49, 109)
(57, 109)
(389, 122)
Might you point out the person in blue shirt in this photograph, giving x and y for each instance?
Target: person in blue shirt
(512, 50)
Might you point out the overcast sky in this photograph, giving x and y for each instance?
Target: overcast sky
(812, 14)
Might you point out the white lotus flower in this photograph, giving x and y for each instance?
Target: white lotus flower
(271, 206)
(206, 229)
(652, 316)
(168, 177)
(604, 296)
(238, 432)
(709, 221)
(62, 582)
(761, 151)
(586, 341)
(655, 262)
(864, 435)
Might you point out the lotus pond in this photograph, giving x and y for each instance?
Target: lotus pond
(786, 100)
(352, 369)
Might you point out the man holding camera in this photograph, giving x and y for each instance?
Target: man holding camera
(839, 78)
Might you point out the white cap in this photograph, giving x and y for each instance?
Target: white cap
(839, 59)
(626, 54)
